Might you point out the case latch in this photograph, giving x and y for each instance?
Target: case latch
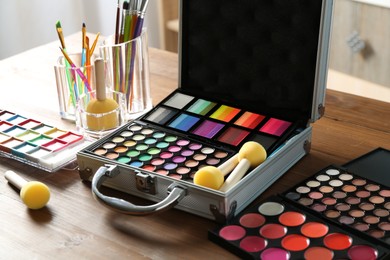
(145, 182)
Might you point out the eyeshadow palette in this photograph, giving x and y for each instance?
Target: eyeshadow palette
(36, 143)
(222, 124)
(377, 161)
(351, 200)
(185, 133)
(157, 150)
(277, 229)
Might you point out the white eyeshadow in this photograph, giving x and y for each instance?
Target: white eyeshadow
(179, 100)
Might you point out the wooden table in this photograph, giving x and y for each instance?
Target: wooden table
(74, 225)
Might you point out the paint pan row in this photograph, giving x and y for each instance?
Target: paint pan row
(154, 149)
(36, 143)
(277, 229)
(348, 199)
(220, 123)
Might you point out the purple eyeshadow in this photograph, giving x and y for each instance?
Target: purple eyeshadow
(208, 129)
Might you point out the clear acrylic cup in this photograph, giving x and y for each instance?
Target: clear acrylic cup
(97, 125)
(127, 71)
(70, 85)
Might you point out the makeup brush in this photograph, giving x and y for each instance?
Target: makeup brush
(78, 71)
(127, 22)
(250, 155)
(60, 34)
(100, 115)
(140, 18)
(117, 33)
(91, 51)
(83, 45)
(67, 65)
(34, 194)
(213, 177)
(125, 12)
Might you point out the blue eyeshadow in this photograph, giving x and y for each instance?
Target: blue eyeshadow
(184, 122)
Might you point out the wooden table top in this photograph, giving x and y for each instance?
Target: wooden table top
(73, 224)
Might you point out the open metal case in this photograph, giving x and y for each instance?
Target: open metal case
(266, 57)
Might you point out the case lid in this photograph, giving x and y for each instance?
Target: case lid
(267, 56)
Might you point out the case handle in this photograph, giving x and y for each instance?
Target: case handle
(175, 194)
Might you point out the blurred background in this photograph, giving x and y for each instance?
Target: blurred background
(360, 47)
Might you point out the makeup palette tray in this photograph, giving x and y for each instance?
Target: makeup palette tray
(241, 79)
(334, 214)
(36, 143)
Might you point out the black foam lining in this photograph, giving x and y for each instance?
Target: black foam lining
(257, 54)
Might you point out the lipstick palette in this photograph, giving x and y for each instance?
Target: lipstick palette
(278, 229)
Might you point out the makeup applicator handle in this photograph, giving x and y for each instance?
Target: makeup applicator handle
(236, 174)
(229, 165)
(100, 79)
(15, 179)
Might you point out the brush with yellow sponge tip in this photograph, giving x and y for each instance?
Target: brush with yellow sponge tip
(101, 110)
(34, 194)
(250, 155)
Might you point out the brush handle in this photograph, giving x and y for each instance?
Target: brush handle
(100, 84)
(236, 174)
(229, 165)
(15, 179)
(81, 74)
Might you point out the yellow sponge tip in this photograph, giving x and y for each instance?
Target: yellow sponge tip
(253, 152)
(209, 176)
(35, 194)
(102, 114)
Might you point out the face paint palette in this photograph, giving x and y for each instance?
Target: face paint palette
(277, 229)
(185, 133)
(347, 199)
(36, 143)
(157, 150)
(222, 124)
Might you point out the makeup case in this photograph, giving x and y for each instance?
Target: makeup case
(249, 71)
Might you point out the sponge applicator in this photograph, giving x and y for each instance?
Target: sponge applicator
(213, 177)
(34, 194)
(250, 155)
(101, 111)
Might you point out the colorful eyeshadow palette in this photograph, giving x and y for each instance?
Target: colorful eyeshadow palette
(184, 133)
(221, 124)
(348, 199)
(155, 149)
(38, 144)
(277, 229)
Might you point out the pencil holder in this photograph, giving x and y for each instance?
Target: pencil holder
(127, 71)
(72, 82)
